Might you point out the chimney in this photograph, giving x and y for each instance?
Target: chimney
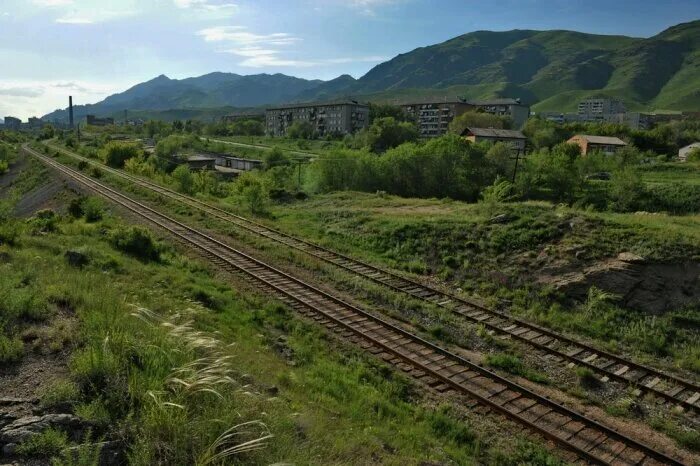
(70, 110)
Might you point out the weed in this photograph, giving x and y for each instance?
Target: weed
(47, 444)
(136, 241)
(60, 395)
(514, 365)
(587, 377)
(11, 349)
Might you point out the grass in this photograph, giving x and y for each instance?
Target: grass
(211, 362)
(47, 444)
(514, 365)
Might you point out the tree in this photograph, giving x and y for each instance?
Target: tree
(251, 187)
(552, 174)
(386, 133)
(694, 155)
(301, 130)
(115, 153)
(275, 158)
(47, 132)
(377, 111)
(499, 157)
(477, 120)
(184, 179)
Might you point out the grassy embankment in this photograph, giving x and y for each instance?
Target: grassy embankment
(323, 405)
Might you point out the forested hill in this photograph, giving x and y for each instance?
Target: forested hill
(551, 70)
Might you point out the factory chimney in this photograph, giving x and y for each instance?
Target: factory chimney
(70, 110)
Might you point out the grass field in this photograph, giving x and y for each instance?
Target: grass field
(323, 402)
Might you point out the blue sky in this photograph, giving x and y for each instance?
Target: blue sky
(90, 48)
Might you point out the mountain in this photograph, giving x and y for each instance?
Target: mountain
(212, 90)
(552, 70)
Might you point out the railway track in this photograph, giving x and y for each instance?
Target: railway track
(437, 367)
(608, 366)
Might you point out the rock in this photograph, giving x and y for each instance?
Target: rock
(28, 426)
(500, 218)
(9, 449)
(636, 283)
(111, 453)
(9, 401)
(77, 259)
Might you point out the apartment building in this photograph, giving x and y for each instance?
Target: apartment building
(600, 109)
(433, 118)
(12, 123)
(343, 117)
(514, 109)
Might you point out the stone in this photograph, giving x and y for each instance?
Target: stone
(28, 426)
(77, 259)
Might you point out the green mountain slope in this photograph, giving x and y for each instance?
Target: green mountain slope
(551, 70)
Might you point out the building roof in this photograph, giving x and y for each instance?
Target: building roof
(606, 140)
(504, 101)
(435, 101)
(199, 158)
(691, 146)
(317, 104)
(494, 133)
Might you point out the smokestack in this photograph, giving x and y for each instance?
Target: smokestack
(70, 110)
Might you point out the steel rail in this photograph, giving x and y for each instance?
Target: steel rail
(646, 379)
(401, 343)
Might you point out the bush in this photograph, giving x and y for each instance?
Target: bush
(93, 208)
(301, 130)
(252, 189)
(61, 394)
(137, 242)
(184, 179)
(4, 166)
(46, 444)
(114, 154)
(44, 221)
(11, 349)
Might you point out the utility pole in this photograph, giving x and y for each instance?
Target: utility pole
(298, 175)
(515, 168)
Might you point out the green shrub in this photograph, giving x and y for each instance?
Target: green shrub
(44, 221)
(11, 349)
(116, 153)
(60, 394)
(46, 444)
(137, 242)
(587, 377)
(9, 232)
(93, 208)
(184, 179)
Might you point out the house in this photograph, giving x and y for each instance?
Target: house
(515, 139)
(684, 152)
(342, 117)
(605, 144)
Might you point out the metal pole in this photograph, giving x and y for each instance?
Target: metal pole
(515, 168)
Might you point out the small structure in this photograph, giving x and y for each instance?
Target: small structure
(237, 163)
(605, 144)
(684, 152)
(515, 139)
(257, 115)
(94, 121)
(201, 162)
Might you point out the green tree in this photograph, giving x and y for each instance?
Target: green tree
(301, 130)
(552, 174)
(184, 179)
(115, 153)
(500, 157)
(627, 190)
(477, 120)
(694, 155)
(386, 133)
(275, 158)
(377, 111)
(251, 187)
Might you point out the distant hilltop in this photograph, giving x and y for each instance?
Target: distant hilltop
(550, 70)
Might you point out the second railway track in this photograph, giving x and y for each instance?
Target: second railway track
(609, 366)
(439, 368)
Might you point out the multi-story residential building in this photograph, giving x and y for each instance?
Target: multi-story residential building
(12, 123)
(252, 115)
(515, 139)
(343, 117)
(514, 109)
(433, 118)
(600, 109)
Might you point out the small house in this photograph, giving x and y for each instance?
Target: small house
(200, 162)
(605, 144)
(515, 139)
(684, 152)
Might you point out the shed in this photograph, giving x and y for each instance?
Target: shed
(515, 139)
(606, 144)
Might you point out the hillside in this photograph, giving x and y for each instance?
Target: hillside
(552, 70)
(214, 90)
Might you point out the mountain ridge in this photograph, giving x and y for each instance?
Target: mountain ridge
(550, 69)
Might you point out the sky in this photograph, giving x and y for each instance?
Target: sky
(50, 49)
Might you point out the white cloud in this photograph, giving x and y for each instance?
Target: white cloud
(207, 6)
(368, 7)
(239, 36)
(21, 91)
(52, 3)
(257, 57)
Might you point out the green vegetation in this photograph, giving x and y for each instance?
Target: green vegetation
(153, 377)
(514, 365)
(115, 154)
